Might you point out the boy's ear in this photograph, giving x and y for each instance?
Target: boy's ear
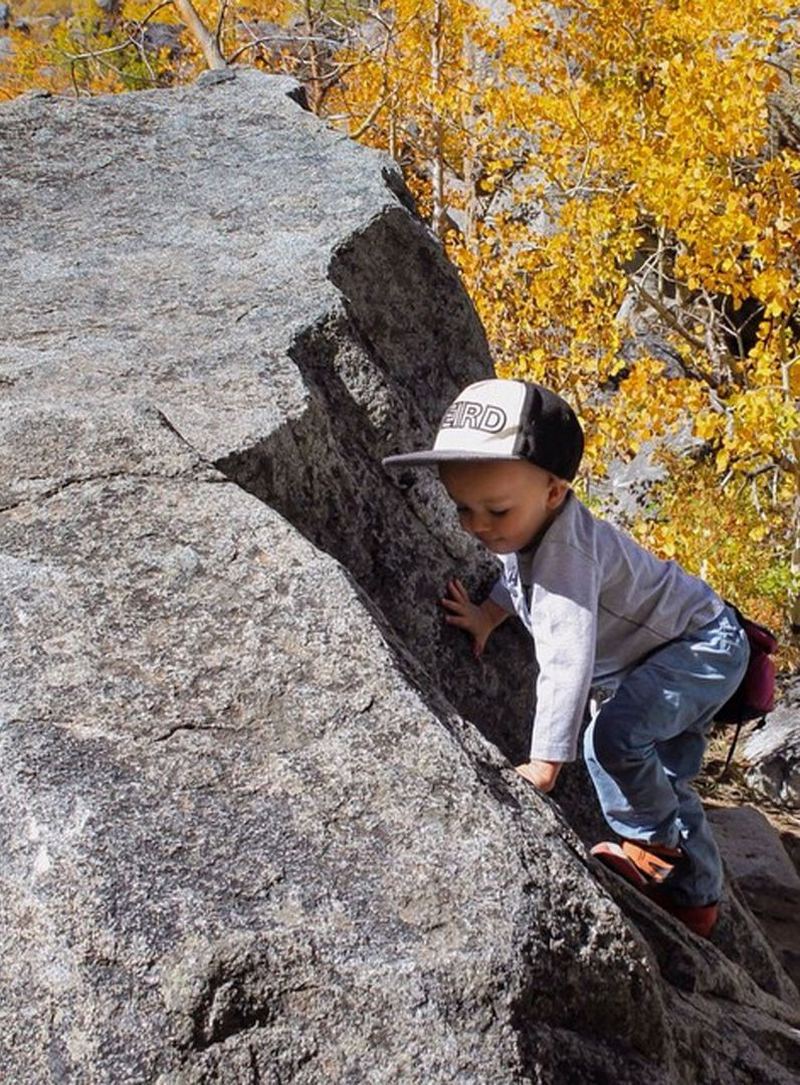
(557, 490)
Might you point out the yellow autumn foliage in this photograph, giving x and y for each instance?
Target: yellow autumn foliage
(87, 52)
(613, 180)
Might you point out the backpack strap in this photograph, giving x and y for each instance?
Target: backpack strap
(732, 747)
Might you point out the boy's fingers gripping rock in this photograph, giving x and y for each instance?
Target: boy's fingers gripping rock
(456, 589)
(457, 619)
(461, 590)
(464, 614)
(455, 599)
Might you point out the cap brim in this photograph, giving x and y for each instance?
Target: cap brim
(431, 457)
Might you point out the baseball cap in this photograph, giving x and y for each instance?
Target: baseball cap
(505, 420)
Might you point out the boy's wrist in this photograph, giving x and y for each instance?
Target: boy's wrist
(542, 774)
(493, 613)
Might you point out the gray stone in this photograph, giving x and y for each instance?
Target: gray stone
(259, 822)
(36, 92)
(773, 756)
(755, 855)
(761, 867)
(212, 77)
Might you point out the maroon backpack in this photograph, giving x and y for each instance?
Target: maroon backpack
(755, 695)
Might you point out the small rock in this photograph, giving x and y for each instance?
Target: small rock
(213, 76)
(774, 755)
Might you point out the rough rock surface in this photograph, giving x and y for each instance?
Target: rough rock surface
(251, 832)
(773, 753)
(762, 868)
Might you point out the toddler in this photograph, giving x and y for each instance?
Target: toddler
(652, 650)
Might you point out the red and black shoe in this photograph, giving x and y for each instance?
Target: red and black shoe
(646, 867)
(699, 918)
(640, 864)
(615, 858)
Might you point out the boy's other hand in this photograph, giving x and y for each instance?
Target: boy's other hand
(477, 620)
(542, 774)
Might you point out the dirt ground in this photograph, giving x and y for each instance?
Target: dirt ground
(733, 789)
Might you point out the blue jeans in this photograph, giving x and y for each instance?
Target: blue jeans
(647, 742)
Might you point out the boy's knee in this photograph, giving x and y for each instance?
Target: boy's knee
(608, 744)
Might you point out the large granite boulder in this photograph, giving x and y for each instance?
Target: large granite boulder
(259, 818)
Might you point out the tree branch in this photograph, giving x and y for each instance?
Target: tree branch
(670, 319)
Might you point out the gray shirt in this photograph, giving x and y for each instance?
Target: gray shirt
(595, 603)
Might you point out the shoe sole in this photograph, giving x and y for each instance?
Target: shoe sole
(614, 858)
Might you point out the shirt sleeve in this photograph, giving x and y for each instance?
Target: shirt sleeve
(563, 608)
(499, 594)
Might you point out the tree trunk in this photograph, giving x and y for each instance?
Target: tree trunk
(313, 89)
(437, 166)
(201, 34)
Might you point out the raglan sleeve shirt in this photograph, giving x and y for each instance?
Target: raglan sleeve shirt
(500, 595)
(563, 613)
(596, 603)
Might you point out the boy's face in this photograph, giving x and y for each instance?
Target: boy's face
(504, 504)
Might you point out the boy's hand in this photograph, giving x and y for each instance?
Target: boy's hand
(477, 620)
(542, 774)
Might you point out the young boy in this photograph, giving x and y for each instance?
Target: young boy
(656, 649)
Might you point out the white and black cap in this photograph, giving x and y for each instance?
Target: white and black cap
(505, 420)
